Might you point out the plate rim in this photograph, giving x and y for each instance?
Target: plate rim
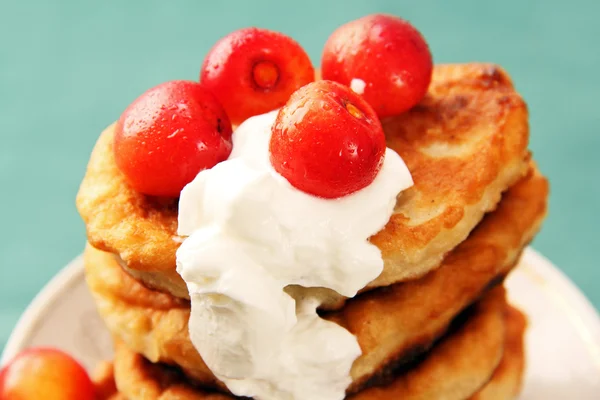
(74, 270)
(574, 296)
(44, 299)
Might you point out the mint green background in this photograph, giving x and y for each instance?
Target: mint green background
(69, 67)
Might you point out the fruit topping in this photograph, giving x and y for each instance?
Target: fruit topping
(253, 71)
(44, 373)
(388, 54)
(327, 141)
(168, 135)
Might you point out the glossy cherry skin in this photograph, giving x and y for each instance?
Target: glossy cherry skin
(388, 54)
(168, 135)
(252, 71)
(45, 373)
(327, 141)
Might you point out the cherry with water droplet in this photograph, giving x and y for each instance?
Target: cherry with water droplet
(387, 53)
(252, 71)
(327, 141)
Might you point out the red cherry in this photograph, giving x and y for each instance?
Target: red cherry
(252, 71)
(44, 373)
(168, 135)
(327, 141)
(388, 54)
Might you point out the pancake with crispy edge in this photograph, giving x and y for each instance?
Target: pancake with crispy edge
(465, 143)
(391, 324)
(504, 384)
(507, 379)
(485, 350)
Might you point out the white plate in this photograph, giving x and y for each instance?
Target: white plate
(563, 339)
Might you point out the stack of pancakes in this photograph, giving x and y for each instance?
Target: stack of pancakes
(434, 325)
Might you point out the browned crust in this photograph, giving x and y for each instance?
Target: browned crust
(148, 321)
(138, 228)
(420, 310)
(457, 366)
(464, 144)
(506, 382)
(139, 379)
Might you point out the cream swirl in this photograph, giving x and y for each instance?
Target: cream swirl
(251, 234)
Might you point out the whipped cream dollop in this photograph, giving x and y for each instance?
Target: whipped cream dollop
(249, 235)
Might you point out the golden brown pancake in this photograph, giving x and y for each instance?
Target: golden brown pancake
(149, 322)
(138, 379)
(507, 378)
(391, 324)
(464, 364)
(504, 384)
(458, 366)
(464, 144)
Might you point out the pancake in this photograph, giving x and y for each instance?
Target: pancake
(464, 144)
(506, 380)
(392, 324)
(504, 384)
(462, 365)
(149, 322)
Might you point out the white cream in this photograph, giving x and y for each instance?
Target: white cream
(251, 234)
(357, 85)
